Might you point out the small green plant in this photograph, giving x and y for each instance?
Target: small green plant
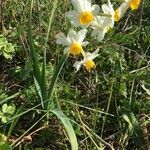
(3, 142)
(6, 49)
(6, 112)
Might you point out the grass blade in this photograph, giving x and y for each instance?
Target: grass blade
(14, 122)
(44, 80)
(68, 127)
(39, 91)
(36, 70)
(55, 78)
(9, 98)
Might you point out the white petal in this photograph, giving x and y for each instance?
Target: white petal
(63, 40)
(85, 43)
(95, 9)
(72, 34)
(95, 32)
(112, 22)
(86, 5)
(110, 6)
(107, 22)
(77, 65)
(81, 5)
(106, 8)
(123, 8)
(77, 5)
(81, 35)
(91, 56)
(95, 54)
(100, 19)
(101, 35)
(66, 50)
(87, 56)
(127, 1)
(73, 16)
(97, 22)
(84, 26)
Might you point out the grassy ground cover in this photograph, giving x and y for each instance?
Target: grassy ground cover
(106, 108)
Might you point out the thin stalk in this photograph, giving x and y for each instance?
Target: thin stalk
(88, 108)
(14, 122)
(88, 130)
(131, 94)
(9, 98)
(105, 15)
(108, 105)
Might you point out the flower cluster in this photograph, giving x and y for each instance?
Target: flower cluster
(86, 15)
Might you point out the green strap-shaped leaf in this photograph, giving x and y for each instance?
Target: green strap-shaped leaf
(68, 127)
(54, 80)
(44, 79)
(34, 57)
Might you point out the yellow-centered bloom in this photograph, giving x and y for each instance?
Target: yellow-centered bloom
(87, 61)
(83, 14)
(86, 18)
(75, 48)
(108, 10)
(102, 24)
(117, 15)
(134, 4)
(89, 64)
(74, 42)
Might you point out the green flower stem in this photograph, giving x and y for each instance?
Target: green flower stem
(105, 15)
(54, 80)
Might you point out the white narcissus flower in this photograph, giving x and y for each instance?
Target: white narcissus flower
(83, 14)
(108, 10)
(87, 61)
(98, 31)
(102, 24)
(133, 4)
(74, 41)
